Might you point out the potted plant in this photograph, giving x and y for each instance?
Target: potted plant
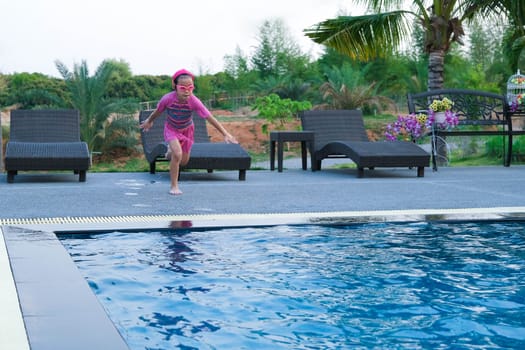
(439, 109)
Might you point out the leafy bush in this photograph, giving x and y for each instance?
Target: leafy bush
(278, 111)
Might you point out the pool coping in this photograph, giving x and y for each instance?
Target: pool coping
(56, 307)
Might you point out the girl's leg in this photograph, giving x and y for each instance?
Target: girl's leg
(176, 159)
(185, 158)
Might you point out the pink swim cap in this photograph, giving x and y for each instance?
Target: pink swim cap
(182, 72)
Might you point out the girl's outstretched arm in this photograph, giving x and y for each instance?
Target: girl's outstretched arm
(227, 136)
(148, 122)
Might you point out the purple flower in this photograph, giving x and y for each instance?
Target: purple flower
(450, 122)
(407, 127)
(514, 106)
(414, 126)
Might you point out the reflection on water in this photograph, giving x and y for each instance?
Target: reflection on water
(382, 285)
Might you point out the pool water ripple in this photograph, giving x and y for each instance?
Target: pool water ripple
(385, 285)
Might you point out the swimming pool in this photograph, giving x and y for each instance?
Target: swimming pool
(374, 285)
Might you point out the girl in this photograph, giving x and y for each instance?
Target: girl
(178, 129)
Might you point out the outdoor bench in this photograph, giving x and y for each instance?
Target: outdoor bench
(479, 113)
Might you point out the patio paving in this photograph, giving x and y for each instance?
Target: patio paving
(292, 191)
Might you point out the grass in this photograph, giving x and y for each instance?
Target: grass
(139, 164)
(131, 165)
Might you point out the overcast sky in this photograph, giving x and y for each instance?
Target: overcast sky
(154, 37)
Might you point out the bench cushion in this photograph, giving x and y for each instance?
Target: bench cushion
(214, 155)
(387, 154)
(47, 156)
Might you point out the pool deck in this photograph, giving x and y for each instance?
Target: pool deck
(39, 196)
(48, 287)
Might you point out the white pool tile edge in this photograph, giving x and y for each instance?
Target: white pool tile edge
(12, 329)
(95, 223)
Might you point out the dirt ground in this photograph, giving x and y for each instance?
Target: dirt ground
(247, 129)
(248, 133)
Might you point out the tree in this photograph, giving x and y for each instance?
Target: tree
(514, 43)
(151, 88)
(33, 90)
(482, 47)
(236, 65)
(382, 32)
(277, 52)
(285, 86)
(238, 78)
(346, 89)
(121, 83)
(99, 113)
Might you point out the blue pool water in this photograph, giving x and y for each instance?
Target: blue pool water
(378, 285)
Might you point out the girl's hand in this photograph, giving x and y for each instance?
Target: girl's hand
(146, 125)
(230, 139)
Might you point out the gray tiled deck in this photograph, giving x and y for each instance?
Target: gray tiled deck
(263, 192)
(292, 191)
(54, 202)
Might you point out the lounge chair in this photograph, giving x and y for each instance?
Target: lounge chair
(342, 134)
(204, 154)
(46, 140)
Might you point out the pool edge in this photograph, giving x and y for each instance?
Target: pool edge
(59, 224)
(13, 334)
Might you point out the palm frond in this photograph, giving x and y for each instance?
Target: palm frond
(62, 69)
(376, 6)
(360, 96)
(518, 46)
(362, 37)
(493, 10)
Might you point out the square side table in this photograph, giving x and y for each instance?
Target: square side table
(280, 137)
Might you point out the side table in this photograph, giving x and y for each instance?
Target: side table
(280, 137)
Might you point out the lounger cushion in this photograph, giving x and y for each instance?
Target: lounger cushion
(214, 155)
(380, 154)
(47, 156)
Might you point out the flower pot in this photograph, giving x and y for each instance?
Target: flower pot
(440, 117)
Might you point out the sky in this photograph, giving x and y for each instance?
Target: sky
(155, 37)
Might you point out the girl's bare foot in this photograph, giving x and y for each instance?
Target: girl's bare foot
(175, 191)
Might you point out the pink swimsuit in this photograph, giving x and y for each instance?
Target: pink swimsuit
(179, 121)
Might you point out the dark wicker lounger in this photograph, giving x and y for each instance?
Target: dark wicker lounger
(46, 140)
(342, 134)
(204, 154)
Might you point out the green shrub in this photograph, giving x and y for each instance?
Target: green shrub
(278, 111)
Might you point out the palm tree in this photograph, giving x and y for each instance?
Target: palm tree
(89, 95)
(382, 32)
(514, 48)
(346, 88)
